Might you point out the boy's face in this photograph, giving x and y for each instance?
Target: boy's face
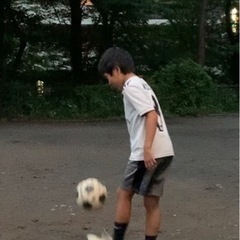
(116, 80)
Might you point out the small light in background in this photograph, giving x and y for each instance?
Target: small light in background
(40, 87)
(234, 14)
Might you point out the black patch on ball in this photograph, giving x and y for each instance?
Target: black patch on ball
(102, 198)
(87, 205)
(89, 189)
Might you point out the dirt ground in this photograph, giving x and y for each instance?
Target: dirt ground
(41, 164)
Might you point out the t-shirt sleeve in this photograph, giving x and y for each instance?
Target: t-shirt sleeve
(140, 98)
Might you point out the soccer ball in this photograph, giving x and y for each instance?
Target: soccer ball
(91, 194)
(104, 236)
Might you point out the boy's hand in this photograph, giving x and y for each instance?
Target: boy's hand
(149, 159)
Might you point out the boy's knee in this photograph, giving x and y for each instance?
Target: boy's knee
(151, 202)
(124, 194)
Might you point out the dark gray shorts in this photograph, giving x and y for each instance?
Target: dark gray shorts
(138, 179)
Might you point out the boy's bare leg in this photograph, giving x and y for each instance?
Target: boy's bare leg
(124, 206)
(123, 213)
(153, 216)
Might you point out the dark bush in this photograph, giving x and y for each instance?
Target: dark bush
(184, 88)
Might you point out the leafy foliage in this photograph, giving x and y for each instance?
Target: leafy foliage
(36, 46)
(85, 102)
(185, 88)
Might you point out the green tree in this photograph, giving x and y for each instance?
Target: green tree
(117, 14)
(4, 7)
(76, 38)
(202, 33)
(14, 29)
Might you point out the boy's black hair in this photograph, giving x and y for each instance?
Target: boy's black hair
(116, 57)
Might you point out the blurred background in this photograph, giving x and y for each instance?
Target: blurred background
(187, 50)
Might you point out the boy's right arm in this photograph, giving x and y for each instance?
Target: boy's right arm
(150, 130)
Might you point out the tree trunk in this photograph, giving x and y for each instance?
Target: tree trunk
(234, 40)
(4, 6)
(76, 39)
(107, 32)
(18, 60)
(2, 31)
(202, 34)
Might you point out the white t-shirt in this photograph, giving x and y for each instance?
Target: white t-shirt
(139, 98)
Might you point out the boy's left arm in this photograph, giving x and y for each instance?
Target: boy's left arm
(150, 131)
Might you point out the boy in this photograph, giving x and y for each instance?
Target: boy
(151, 146)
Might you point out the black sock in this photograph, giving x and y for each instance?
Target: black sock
(119, 230)
(150, 237)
